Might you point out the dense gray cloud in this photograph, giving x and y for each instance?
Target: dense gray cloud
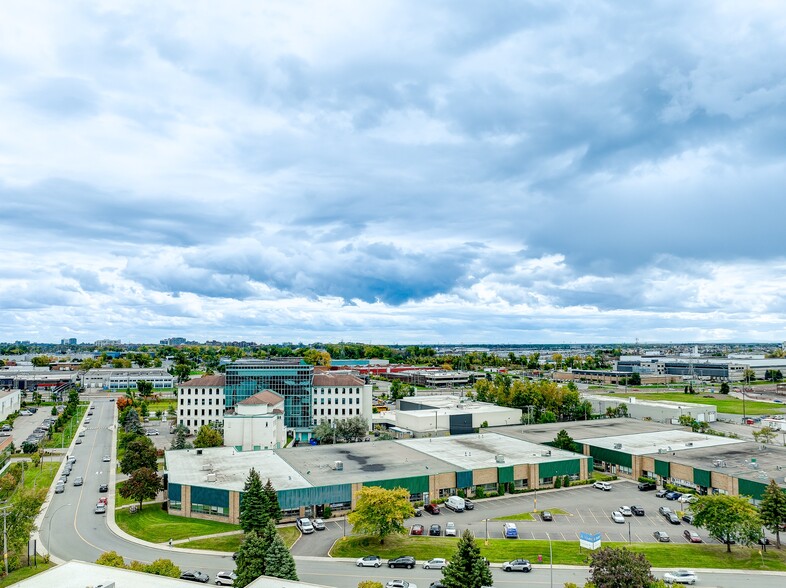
(393, 171)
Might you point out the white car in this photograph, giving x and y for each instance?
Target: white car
(226, 578)
(680, 577)
(687, 499)
(435, 564)
(602, 486)
(305, 526)
(25, 413)
(370, 561)
(626, 511)
(450, 530)
(400, 584)
(617, 517)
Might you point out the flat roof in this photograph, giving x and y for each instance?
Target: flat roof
(186, 466)
(579, 430)
(670, 404)
(671, 440)
(362, 462)
(478, 451)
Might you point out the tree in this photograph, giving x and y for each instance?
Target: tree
(140, 453)
(41, 360)
(381, 512)
(772, 509)
(250, 560)
(131, 422)
(144, 484)
(634, 379)
(253, 504)
(353, 428)
(748, 374)
(278, 561)
(370, 584)
(765, 435)
(144, 388)
(724, 388)
(208, 437)
(271, 502)
(397, 390)
(179, 441)
(112, 559)
(324, 432)
(564, 441)
(619, 568)
(467, 569)
(728, 518)
(163, 567)
(317, 357)
(182, 371)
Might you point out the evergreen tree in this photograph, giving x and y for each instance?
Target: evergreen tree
(467, 569)
(273, 508)
(132, 424)
(253, 505)
(772, 509)
(250, 560)
(278, 561)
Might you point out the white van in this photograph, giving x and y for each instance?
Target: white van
(455, 503)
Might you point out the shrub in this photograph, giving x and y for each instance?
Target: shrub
(327, 512)
(558, 482)
(480, 492)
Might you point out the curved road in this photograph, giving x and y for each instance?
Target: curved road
(78, 533)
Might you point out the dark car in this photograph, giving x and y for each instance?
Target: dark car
(637, 510)
(435, 530)
(468, 504)
(432, 508)
(418, 512)
(194, 576)
(661, 536)
(672, 495)
(644, 486)
(103, 488)
(688, 518)
(546, 516)
(405, 561)
(673, 519)
(661, 493)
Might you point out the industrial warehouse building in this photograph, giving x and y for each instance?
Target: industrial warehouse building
(662, 411)
(207, 483)
(710, 464)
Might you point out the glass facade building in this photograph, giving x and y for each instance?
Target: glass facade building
(290, 377)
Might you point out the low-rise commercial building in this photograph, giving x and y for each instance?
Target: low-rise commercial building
(661, 411)
(10, 401)
(257, 423)
(126, 378)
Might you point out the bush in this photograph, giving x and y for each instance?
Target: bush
(558, 482)
(646, 480)
(480, 492)
(327, 512)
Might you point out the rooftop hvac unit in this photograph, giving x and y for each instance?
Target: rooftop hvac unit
(211, 478)
(338, 465)
(499, 458)
(199, 452)
(662, 450)
(618, 446)
(689, 444)
(546, 453)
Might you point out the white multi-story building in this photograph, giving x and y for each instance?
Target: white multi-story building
(200, 401)
(123, 378)
(10, 401)
(337, 396)
(257, 423)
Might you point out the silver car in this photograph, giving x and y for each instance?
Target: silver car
(436, 563)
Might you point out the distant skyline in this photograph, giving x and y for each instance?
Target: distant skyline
(393, 171)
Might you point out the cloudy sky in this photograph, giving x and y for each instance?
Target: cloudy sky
(393, 171)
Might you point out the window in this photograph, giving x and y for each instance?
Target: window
(547, 481)
(211, 510)
(175, 505)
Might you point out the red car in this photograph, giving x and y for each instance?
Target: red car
(692, 536)
(431, 508)
(416, 530)
(103, 500)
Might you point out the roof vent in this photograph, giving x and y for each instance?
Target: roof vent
(338, 466)
(499, 458)
(546, 453)
(618, 446)
(211, 477)
(663, 450)
(199, 452)
(689, 444)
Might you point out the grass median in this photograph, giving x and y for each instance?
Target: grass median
(529, 516)
(566, 552)
(157, 526)
(231, 543)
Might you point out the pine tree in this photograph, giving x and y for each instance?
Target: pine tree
(250, 560)
(273, 508)
(772, 509)
(467, 569)
(253, 504)
(278, 561)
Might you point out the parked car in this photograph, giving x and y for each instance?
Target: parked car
(404, 561)
(59, 488)
(78, 441)
(673, 519)
(687, 499)
(510, 531)
(103, 500)
(644, 486)
(399, 584)
(688, 518)
(100, 508)
(626, 511)
(672, 495)
(416, 530)
(81, 433)
(151, 432)
(517, 565)
(318, 524)
(195, 576)
(305, 526)
(455, 503)
(106, 458)
(661, 536)
(103, 488)
(661, 493)
(468, 504)
(450, 530)
(435, 530)
(436, 563)
(418, 512)
(637, 510)
(602, 486)
(680, 577)
(546, 516)
(78, 481)
(664, 510)
(226, 578)
(25, 413)
(369, 561)
(432, 508)
(692, 536)
(617, 517)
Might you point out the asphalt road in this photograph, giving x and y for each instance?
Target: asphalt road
(78, 533)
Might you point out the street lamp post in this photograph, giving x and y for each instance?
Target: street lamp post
(49, 532)
(551, 562)
(487, 531)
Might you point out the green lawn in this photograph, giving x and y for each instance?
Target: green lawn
(231, 543)
(721, 402)
(24, 573)
(64, 438)
(155, 525)
(528, 516)
(40, 477)
(566, 552)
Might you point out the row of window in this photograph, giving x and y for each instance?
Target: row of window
(343, 411)
(330, 391)
(211, 510)
(196, 422)
(187, 401)
(202, 391)
(343, 401)
(187, 412)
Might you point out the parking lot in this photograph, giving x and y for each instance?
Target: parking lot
(25, 425)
